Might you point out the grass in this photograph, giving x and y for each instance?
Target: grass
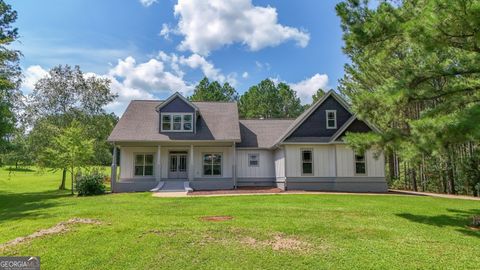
(143, 232)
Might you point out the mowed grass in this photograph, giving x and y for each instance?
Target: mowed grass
(144, 232)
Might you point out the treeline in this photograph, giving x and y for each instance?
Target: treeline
(415, 73)
(264, 100)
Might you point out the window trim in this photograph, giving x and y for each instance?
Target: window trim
(302, 161)
(203, 164)
(182, 122)
(355, 164)
(334, 118)
(258, 159)
(134, 165)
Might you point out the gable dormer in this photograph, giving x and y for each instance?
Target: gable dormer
(177, 114)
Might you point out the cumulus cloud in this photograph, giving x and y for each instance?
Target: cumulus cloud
(306, 88)
(157, 77)
(147, 3)
(210, 24)
(32, 75)
(245, 75)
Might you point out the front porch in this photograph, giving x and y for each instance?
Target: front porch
(203, 166)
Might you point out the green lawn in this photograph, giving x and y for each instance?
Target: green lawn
(143, 232)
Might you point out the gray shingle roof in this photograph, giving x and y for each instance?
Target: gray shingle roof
(262, 133)
(140, 122)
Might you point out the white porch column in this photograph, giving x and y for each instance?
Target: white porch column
(158, 167)
(190, 165)
(234, 169)
(113, 176)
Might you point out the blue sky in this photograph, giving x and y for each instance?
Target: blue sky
(151, 49)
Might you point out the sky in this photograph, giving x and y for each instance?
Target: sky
(150, 49)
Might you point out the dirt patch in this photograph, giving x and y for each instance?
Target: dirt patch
(474, 228)
(60, 227)
(216, 218)
(278, 242)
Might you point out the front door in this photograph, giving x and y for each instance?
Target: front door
(178, 165)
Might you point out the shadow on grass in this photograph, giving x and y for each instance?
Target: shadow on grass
(15, 206)
(460, 219)
(19, 169)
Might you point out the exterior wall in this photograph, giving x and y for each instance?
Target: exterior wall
(261, 175)
(333, 170)
(127, 158)
(279, 159)
(323, 160)
(315, 125)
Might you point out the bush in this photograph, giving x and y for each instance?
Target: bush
(90, 184)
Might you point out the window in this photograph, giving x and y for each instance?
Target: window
(166, 122)
(212, 164)
(360, 164)
(143, 165)
(253, 160)
(331, 119)
(307, 162)
(178, 122)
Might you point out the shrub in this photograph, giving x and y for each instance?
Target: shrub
(90, 184)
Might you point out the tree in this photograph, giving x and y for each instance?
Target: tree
(267, 100)
(9, 73)
(71, 149)
(318, 95)
(213, 91)
(66, 95)
(415, 73)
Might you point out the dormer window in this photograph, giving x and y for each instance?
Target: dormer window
(331, 119)
(177, 122)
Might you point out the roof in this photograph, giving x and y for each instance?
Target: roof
(218, 122)
(262, 133)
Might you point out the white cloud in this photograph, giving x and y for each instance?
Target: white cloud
(157, 77)
(32, 75)
(210, 24)
(306, 88)
(245, 75)
(147, 3)
(165, 32)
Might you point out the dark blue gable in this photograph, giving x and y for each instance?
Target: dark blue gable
(315, 124)
(177, 105)
(356, 126)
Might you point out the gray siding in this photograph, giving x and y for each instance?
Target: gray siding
(315, 124)
(343, 184)
(256, 182)
(212, 184)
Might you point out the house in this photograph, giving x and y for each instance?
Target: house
(205, 146)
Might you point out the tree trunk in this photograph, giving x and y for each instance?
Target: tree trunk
(391, 166)
(450, 174)
(414, 179)
(72, 180)
(64, 178)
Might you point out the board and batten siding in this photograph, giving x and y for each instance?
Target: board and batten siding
(323, 160)
(279, 159)
(227, 161)
(346, 165)
(265, 166)
(127, 159)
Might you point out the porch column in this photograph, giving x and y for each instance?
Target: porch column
(158, 167)
(113, 176)
(190, 165)
(234, 169)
